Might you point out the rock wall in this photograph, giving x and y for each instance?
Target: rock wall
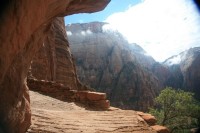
(23, 27)
(88, 99)
(53, 61)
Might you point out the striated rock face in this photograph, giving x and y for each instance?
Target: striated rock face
(185, 68)
(105, 61)
(24, 25)
(54, 62)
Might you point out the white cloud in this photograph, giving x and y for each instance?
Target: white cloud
(174, 60)
(69, 33)
(162, 27)
(83, 33)
(87, 32)
(108, 28)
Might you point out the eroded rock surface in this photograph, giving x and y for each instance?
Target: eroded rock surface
(53, 116)
(23, 27)
(61, 92)
(54, 62)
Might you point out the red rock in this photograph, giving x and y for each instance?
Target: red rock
(95, 96)
(82, 96)
(160, 129)
(24, 25)
(102, 104)
(150, 119)
(54, 61)
(140, 113)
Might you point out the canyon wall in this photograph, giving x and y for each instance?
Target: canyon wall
(23, 27)
(108, 63)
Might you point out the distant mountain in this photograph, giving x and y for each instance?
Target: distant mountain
(107, 62)
(188, 65)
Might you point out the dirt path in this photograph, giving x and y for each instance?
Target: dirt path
(50, 115)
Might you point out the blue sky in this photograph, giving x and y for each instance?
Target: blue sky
(113, 7)
(163, 28)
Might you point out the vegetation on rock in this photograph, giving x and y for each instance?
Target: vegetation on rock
(177, 110)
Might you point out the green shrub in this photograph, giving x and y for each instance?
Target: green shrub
(177, 110)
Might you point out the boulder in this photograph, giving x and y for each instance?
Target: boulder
(150, 119)
(95, 96)
(160, 129)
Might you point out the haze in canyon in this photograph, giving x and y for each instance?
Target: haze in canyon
(163, 28)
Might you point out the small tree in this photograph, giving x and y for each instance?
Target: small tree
(176, 109)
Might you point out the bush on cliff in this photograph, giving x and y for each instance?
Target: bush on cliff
(177, 110)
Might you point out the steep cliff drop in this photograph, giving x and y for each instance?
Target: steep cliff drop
(24, 25)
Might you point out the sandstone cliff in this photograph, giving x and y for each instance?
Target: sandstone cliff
(107, 62)
(53, 61)
(24, 25)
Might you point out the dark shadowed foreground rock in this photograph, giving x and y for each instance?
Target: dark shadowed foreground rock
(23, 27)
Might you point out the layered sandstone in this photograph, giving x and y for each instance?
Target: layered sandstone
(53, 61)
(24, 25)
(107, 62)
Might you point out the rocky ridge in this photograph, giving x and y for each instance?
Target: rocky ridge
(59, 91)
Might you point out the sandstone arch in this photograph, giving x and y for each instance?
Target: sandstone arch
(23, 27)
